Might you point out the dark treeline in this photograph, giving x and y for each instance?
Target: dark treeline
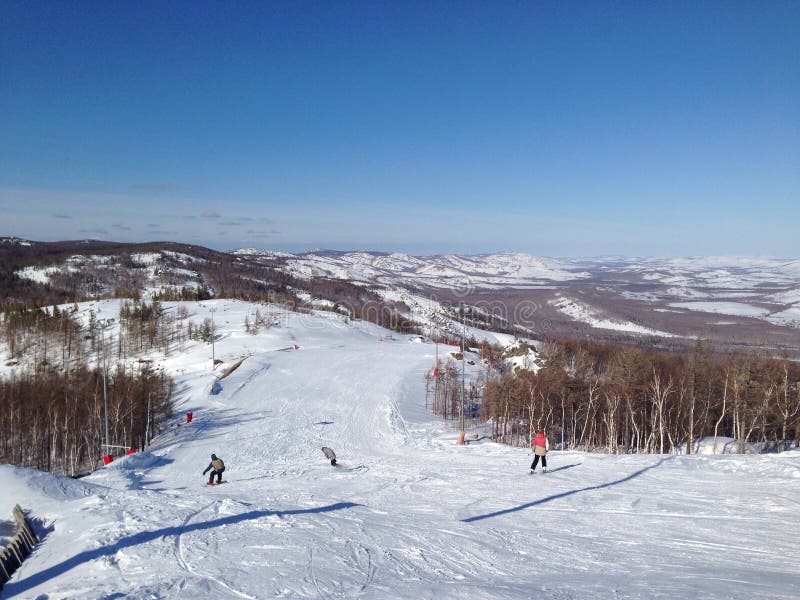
(83, 281)
(52, 411)
(54, 420)
(619, 399)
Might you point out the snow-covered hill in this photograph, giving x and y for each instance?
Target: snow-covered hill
(153, 272)
(504, 270)
(734, 302)
(750, 288)
(407, 514)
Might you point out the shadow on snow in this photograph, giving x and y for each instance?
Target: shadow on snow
(143, 537)
(564, 468)
(565, 494)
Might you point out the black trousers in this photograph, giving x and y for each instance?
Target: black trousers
(536, 462)
(217, 473)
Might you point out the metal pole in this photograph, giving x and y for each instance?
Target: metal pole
(463, 362)
(436, 373)
(105, 385)
(436, 341)
(213, 356)
(463, 368)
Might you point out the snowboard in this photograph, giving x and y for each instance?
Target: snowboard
(220, 483)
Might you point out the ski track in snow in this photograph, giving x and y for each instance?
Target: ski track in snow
(407, 513)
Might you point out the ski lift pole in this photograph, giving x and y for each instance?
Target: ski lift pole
(213, 357)
(463, 367)
(436, 375)
(103, 325)
(105, 395)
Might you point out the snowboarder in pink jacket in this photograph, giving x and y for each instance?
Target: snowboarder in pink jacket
(540, 447)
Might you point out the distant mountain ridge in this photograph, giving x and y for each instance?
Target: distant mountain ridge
(489, 271)
(520, 270)
(736, 301)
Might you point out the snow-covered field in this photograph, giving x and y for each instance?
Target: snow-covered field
(724, 308)
(407, 514)
(578, 311)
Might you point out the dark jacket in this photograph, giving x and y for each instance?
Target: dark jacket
(216, 464)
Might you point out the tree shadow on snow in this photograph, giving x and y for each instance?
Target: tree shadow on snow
(208, 425)
(565, 494)
(19, 587)
(564, 468)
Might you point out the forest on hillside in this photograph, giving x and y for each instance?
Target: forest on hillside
(88, 270)
(621, 399)
(52, 411)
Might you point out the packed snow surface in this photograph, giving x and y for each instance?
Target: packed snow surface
(407, 514)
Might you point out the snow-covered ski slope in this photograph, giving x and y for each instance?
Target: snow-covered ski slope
(407, 514)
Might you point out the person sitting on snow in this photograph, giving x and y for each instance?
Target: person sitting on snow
(216, 466)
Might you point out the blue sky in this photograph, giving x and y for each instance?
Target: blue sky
(558, 128)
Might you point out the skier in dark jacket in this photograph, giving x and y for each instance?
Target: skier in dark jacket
(216, 466)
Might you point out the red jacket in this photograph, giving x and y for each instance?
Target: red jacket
(540, 440)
